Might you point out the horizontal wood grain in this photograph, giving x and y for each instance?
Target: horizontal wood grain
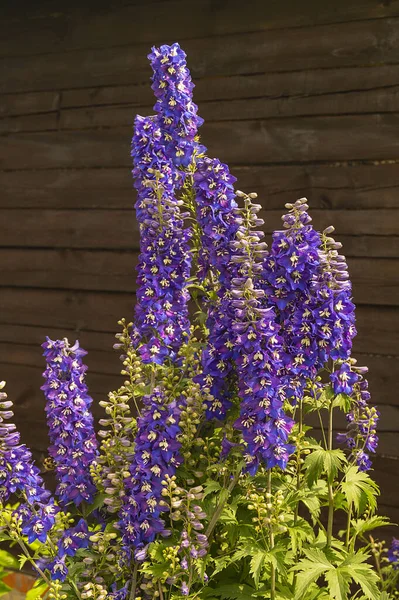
(290, 140)
(66, 27)
(333, 186)
(375, 281)
(378, 327)
(332, 46)
(119, 228)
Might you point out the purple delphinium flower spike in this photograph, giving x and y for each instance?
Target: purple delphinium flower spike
(361, 435)
(215, 198)
(287, 278)
(178, 119)
(71, 429)
(157, 455)
(262, 421)
(164, 263)
(19, 475)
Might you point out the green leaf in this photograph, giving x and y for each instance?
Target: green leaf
(235, 591)
(37, 591)
(343, 401)
(310, 569)
(362, 573)
(210, 487)
(361, 526)
(97, 503)
(8, 560)
(338, 583)
(360, 490)
(256, 566)
(333, 460)
(314, 464)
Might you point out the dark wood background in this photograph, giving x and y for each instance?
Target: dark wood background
(300, 98)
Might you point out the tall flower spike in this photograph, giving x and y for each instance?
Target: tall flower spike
(70, 422)
(262, 421)
(215, 199)
(178, 119)
(157, 456)
(361, 435)
(287, 278)
(19, 475)
(164, 262)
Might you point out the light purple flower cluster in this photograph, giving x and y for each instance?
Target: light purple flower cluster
(263, 423)
(393, 553)
(71, 429)
(19, 475)
(192, 546)
(361, 435)
(164, 263)
(216, 204)
(157, 455)
(178, 119)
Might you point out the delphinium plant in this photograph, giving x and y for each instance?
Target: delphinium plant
(205, 479)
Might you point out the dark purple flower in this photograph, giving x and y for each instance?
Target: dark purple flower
(343, 379)
(58, 569)
(71, 428)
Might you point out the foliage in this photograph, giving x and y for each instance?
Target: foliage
(206, 479)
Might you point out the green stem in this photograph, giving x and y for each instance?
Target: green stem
(348, 526)
(330, 521)
(298, 459)
(31, 560)
(273, 570)
(220, 507)
(134, 582)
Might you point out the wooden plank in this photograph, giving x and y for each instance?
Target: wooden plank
(28, 103)
(69, 269)
(264, 107)
(85, 25)
(119, 228)
(26, 123)
(68, 188)
(290, 140)
(375, 281)
(378, 327)
(333, 46)
(272, 87)
(70, 228)
(334, 186)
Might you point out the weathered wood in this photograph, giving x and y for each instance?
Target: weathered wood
(286, 88)
(372, 137)
(28, 103)
(74, 26)
(335, 186)
(370, 101)
(378, 327)
(69, 269)
(375, 281)
(25, 123)
(339, 45)
(119, 228)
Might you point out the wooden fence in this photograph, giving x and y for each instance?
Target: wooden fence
(299, 98)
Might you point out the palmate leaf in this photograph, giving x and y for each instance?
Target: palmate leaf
(362, 573)
(37, 591)
(235, 591)
(256, 565)
(310, 569)
(360, 490)
(362, 526)
(323, 461)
